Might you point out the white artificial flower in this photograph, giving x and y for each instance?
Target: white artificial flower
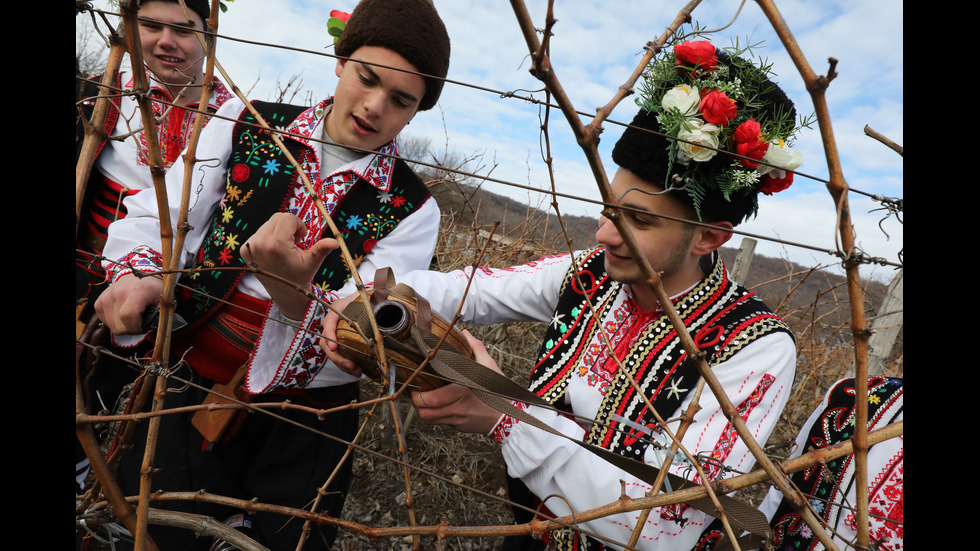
(683, 98)
(781, 156)
(701, 134)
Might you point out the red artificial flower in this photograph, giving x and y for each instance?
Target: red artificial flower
(769, 185)
(700, 55)
(717, 108)
(342, 15)
(749, 142)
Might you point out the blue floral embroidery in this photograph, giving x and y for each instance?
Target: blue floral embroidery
(271, 166)
(353, 222)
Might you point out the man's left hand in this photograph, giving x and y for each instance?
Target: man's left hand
(455, 405)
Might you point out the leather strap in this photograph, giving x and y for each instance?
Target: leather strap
(384, 281)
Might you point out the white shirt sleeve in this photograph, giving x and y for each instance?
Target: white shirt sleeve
(288, 357)
(528, 292)
(141, 226)
(137, 238)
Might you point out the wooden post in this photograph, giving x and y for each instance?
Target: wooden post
(744, 259)
(885, 327)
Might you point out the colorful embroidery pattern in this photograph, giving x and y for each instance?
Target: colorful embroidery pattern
(258, 175)
(724, 316)
(174, 125)
(886, 507)
(569, 339)
(828, 484)
(262, 180)
(506, 423)
(364, 219)
(141, 258)
(723, 447)
(654, 357)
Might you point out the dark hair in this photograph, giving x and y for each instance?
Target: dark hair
(201, 7)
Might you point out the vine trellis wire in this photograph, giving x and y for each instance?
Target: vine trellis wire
(124, 40)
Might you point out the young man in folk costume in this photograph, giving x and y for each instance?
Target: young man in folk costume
(173, 60)
(729, 103)
(346, 145)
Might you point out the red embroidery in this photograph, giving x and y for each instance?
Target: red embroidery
(369, 244)
(587, 279)
(886, 506)
(728, 436)
(503, 427)
(240, 172)
(704, 338)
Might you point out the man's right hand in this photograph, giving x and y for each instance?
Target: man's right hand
(275, 249)
(328, 342)
(122, 304)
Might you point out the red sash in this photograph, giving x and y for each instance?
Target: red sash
(223, 343)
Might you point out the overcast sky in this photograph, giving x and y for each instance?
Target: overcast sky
(593, 52)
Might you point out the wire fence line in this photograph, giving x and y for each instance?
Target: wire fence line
(892, 206)
(851, 256)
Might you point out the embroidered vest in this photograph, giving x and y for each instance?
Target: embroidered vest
(721, 316)
(103, 197)
(89, 92)
(260, 180)
(101, 202)
(829, 483)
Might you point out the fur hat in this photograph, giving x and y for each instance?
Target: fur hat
(412, 28)
(718, 186)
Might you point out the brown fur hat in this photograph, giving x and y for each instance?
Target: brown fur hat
(412, 28)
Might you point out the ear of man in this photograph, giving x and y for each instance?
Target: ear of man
(708, 239)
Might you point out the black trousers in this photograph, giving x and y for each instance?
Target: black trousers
(269, 459)
(520, 494)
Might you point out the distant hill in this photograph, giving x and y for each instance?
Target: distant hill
(800, 294)
(472, 206)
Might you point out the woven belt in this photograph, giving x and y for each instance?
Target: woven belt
(224, 342)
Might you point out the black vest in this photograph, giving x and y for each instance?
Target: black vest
(260, 181)
(721, 316)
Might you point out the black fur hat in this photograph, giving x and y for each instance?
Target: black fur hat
(644, 150)
(412, 28)
(200, 7)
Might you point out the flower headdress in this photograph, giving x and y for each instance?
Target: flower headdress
(716, 103)
(335, 25)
